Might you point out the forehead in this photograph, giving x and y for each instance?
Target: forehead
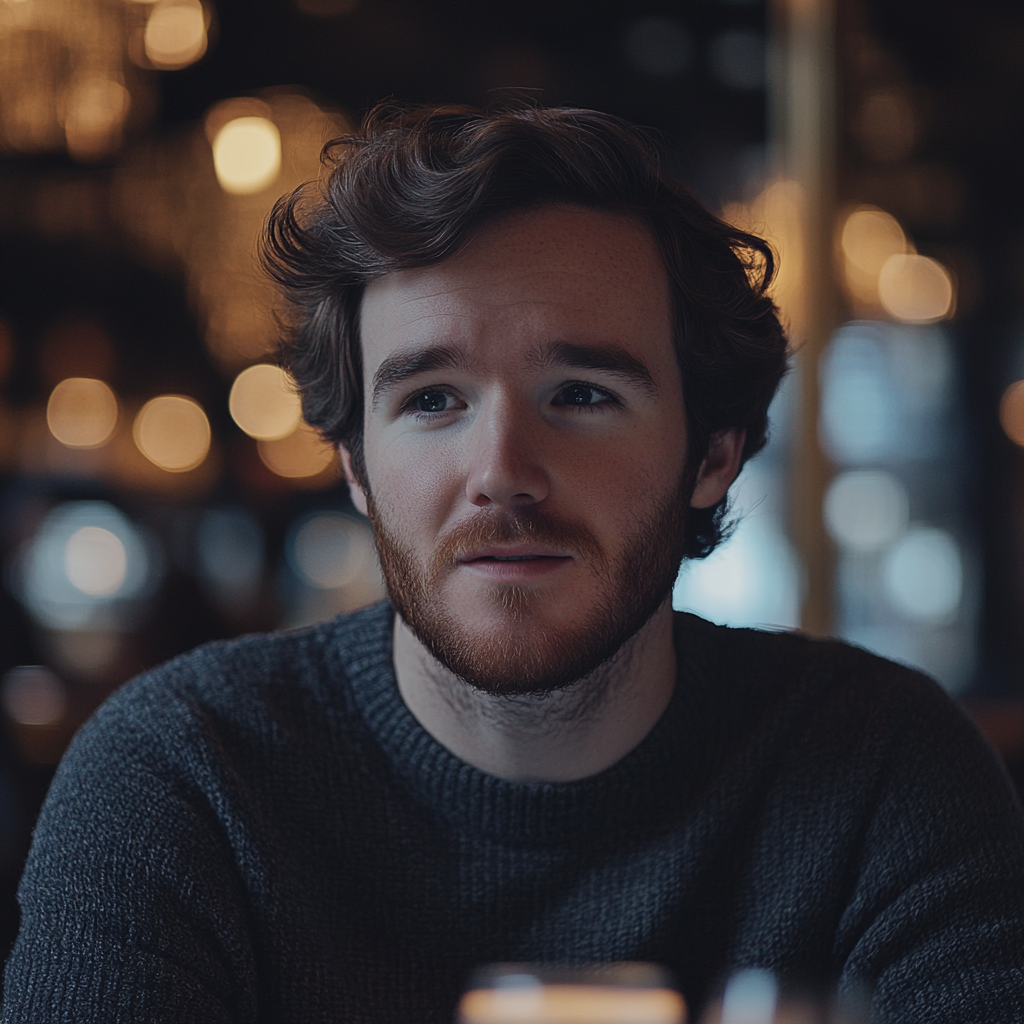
(554, 273)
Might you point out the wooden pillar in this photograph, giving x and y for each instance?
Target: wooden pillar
(803, 142)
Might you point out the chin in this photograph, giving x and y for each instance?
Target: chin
(509, 605)
(513, 648)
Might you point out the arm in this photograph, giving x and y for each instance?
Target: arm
(132, 908)
(937, 912)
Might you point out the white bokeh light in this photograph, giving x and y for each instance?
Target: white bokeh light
(330, 550)
(83, 565)
(865, 509)
(886, 391)
(750, 997)
(95, 561)
(857, 407)
(923, 575)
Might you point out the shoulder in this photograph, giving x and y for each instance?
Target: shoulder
(825, 666)
(258, 684)
(829, 697)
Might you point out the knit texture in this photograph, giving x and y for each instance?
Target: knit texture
(261, 831)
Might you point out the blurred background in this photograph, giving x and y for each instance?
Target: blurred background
(158, 488)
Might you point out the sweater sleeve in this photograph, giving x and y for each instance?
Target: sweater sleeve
(132, 909)
(936, 918)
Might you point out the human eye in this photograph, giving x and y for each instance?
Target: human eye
(584, 396)
(431, 402)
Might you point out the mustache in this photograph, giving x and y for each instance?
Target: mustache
(505, 526)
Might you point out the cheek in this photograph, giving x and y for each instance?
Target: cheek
(413, 485)
(617, 485)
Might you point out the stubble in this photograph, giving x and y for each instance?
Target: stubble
(535, 659)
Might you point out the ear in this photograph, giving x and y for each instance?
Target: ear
(719, 468)
(355, 488)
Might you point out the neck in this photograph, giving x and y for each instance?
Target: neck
(562, 736)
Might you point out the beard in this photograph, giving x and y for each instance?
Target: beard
(516, 656)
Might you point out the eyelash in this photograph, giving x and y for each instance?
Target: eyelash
(610, 399)
(409, 406)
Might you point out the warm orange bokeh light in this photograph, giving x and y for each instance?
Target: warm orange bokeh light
(915, 289)
(175, 34)
(572, 1004)
(82, 412)
(1011, 412)
(300, 454)
(95, 110)
(263, 402)
(869, 236)
(172, 431)
(247, 155)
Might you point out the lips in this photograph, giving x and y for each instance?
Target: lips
(515, 563)
(514, 553)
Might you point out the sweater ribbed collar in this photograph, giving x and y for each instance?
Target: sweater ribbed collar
(631, 793)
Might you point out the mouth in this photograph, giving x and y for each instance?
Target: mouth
(513, 562)
(513, 553)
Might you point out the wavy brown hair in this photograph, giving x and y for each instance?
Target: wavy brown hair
(415, 183)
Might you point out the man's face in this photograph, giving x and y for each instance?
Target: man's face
(525, 445)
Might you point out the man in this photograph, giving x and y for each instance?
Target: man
(544, 365)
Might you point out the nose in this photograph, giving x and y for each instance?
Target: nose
(504, 459)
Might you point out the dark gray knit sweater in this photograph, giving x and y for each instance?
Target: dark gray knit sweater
(261, 831)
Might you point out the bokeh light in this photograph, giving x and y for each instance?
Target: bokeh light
(301, 454)
(247, 155)
(530, 1000)
(82, 412)
(95, 561)
(866, 510)
(95, 110)
(175, 34)
(264, 403)
(33, 695)
(1011, 412)
(172, 431)
(750, 997)
(858, 414)
(915, 289)
(330, 550)
(869, 237)
(83, 567)
(923, 575)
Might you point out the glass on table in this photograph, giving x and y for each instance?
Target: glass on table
(611, 993)
(758, 996)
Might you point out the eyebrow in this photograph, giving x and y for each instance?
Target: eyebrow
(402, 365)
(610, 358)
